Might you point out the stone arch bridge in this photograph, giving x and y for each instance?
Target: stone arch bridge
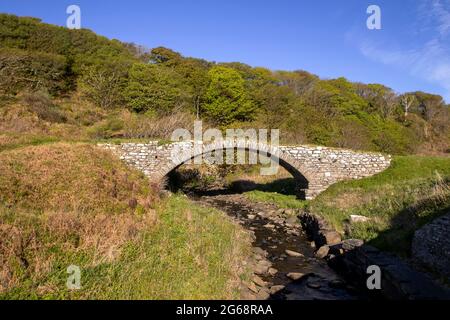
(314, 168)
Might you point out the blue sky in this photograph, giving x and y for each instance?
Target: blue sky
(326, 37)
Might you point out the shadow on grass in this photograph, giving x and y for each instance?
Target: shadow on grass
(192, 183)
(399, 237)
(286, 186)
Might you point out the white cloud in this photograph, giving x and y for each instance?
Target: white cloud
(435, 14)
(431, 61)
(440, 11)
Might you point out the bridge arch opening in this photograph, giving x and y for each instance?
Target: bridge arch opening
(284, 161)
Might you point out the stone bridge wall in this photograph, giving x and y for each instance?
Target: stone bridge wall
(315, 168)
(330, 165)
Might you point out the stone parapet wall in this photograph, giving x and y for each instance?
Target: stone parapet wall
(330, 165)
(315, 168)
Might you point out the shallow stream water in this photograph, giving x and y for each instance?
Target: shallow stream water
(274, 234)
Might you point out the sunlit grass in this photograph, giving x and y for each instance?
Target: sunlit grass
(73, 204)
(412, 192)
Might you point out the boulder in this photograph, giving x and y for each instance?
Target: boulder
(313, 285)
(331, 237)
(350, 244)
(262, 295)
(252, 287)
(262, 267)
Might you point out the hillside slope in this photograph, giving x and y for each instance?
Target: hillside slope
(65, 205)
(78, 85)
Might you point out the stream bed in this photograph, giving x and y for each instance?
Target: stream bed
(285, 266)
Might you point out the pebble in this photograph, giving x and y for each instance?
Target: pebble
(276, 289)
(358, 219)
(337, 283)
(252, 287)
(259, 269)
(262, 295)
(261, 214)
(272, 271)
(293, 253)
(293, 232)
(295, 275)
(258, 281)
(322, 252)
(262, 267)
(313, 285)
(260, 251)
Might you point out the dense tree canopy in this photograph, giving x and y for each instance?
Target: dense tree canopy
(117, 76)
(226, 97)
(155, 88)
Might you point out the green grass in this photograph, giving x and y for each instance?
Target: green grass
(73, 204)
(411, 193)
(193, 253)
(24, 141)
(280, 200)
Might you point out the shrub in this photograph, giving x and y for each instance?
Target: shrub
(148, 126)
(32, 70)
(106, 129)
(42, 105)
(103, 84)
(156, 88)
(226, 98)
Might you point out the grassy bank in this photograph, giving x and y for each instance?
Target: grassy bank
(72, 204)
(398, 201)
(412, 192)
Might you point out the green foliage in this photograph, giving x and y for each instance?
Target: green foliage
(81, 47)
(24, 70)
(104, 84)
(69, 204)
(156, 88)
(166, 56)
(111, 75)
(160, 262)
(42, 105)
(226, 98)
(413, 191)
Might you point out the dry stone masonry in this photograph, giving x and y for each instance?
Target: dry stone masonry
(431, 246)
(314, 168)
